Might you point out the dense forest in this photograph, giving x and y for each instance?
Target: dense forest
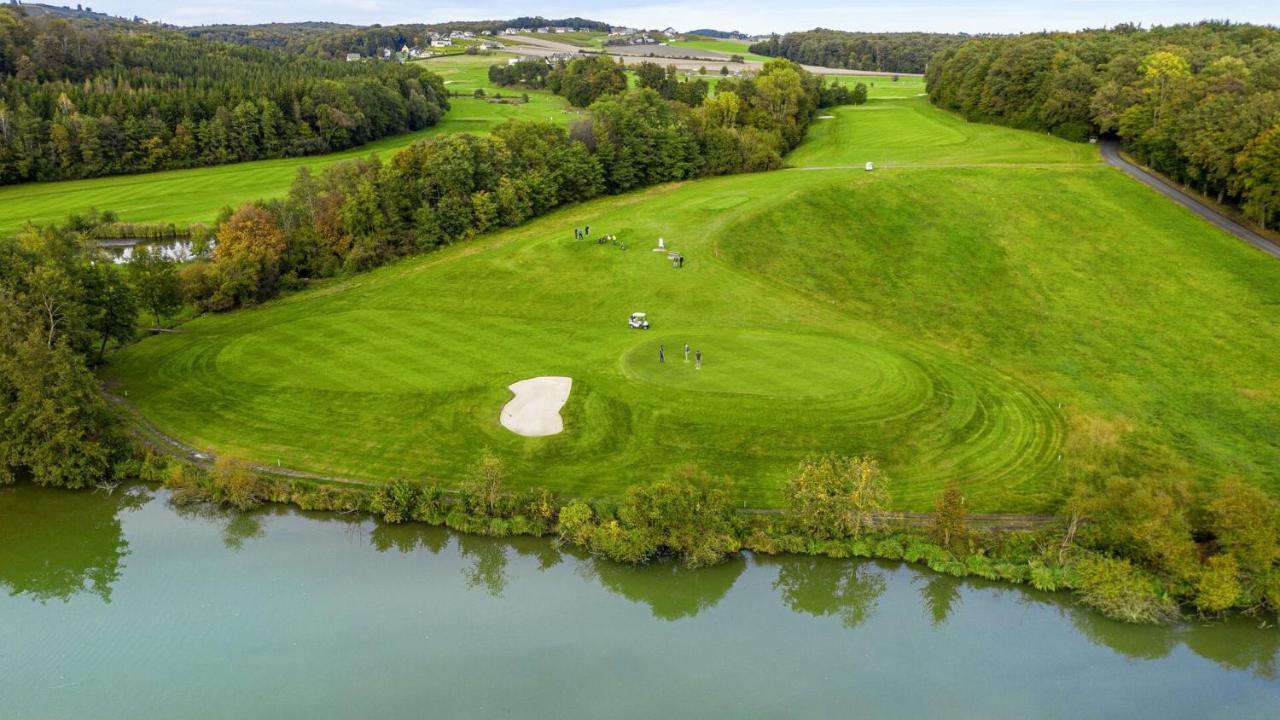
(1200, 103)
(331, 40)
(903, 52)
(81, 102)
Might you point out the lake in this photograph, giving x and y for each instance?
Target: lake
(119, 605)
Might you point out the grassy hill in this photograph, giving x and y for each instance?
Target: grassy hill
(196, 195)
(989, 305)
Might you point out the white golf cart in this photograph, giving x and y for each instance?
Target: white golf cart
(638, 321)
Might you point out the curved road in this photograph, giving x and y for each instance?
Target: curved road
(1111, 154)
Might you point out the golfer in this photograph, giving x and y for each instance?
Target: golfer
(686, 352)
(698, 364)
(662, 355)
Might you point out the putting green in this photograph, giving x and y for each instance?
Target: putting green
(976, 314)
(776, 365)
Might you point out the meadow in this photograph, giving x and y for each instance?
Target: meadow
(729, 47)
(989, 306)
(197, 194)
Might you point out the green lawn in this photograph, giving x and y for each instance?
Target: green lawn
(731, 47)
(990, 306)
(196, 195)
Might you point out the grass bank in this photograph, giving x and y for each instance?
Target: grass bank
(990, 306)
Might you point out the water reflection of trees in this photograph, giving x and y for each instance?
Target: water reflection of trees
(55, 544)
(1235, 643)
(847, 589)
(236, 528)
(671, 590)
(939, 594)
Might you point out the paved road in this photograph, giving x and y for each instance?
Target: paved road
(1111, 154)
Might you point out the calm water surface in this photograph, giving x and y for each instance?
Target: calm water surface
(120, 606)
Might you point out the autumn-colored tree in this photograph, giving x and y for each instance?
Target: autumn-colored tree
(1245, 521)
(950, 526)
(835, 497)
(250, 231)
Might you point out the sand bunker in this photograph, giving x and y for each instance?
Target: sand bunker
(535, 409)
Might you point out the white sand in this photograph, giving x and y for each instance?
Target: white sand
(535, 409)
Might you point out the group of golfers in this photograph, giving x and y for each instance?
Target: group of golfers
(697, 356)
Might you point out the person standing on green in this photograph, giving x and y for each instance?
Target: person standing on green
(686, 352)
(662, 355)
(698, 355)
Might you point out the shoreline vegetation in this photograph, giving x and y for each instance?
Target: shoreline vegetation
(1148, 553)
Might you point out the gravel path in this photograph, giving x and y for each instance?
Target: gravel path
(1111, 154)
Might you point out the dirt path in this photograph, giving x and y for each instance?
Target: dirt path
(1111, 154)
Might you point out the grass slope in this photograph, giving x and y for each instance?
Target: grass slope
(998, 308)
(196, 195)
(730, 47)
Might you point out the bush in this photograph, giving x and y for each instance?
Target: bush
(1117, 589)
(396, 501)
(688, 518)
(236, 484)
(834, 497)
(576, 523)
(1218, 588)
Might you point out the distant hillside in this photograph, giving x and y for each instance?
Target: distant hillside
(83, 15)
(719, 34)
(333, 40)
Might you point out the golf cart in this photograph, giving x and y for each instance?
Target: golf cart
(638, 321)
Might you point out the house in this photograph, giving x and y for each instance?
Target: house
(353, 57)
(386, 53)
(441, 43)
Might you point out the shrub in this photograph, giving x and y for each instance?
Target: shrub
(1245, 521)
(396, 500)
(1218, 588)
(1117, 589)
(693, 521)
(833, 497)
(236, 484)
(1144, 520)
(576, 523)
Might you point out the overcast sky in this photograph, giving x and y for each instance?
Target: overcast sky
(744, 15)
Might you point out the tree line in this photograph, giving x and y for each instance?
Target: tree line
(1199, 103)
(363, 213)
(78, 102)
(901, 52)
(330, 40)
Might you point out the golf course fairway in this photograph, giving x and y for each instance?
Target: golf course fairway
(989, 306)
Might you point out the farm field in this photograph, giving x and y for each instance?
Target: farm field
(991, 306)
(197, 194)
(730, 47)
(577, 39)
